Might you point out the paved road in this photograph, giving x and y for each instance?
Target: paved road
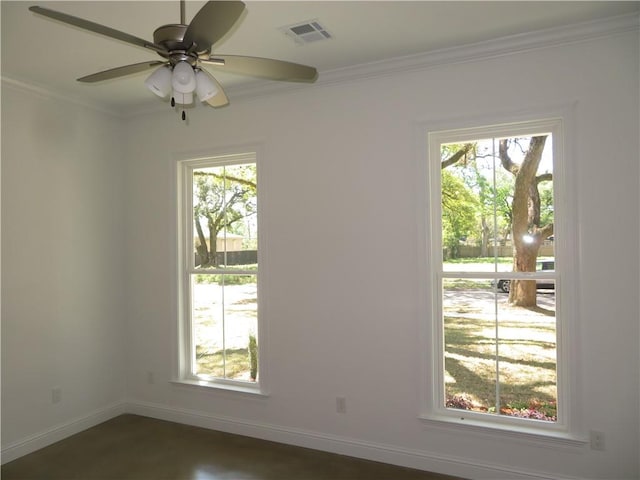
(483, 303)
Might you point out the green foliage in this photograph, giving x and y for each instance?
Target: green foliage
(546, 202)
(484, 260)
(253, 356)
(465, 284)
(230, 278)
(459, 207)
(222, 197)
(487, 172)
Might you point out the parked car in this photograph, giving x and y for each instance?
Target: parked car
(541, 283)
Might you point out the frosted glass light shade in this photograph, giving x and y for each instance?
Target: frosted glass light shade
(205, 86)
(184, 78)
(159, 82)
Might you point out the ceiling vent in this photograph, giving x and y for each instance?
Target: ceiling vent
(306, 32)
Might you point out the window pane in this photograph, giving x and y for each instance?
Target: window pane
(469, 311)
(479, 207)
(474, 229)
(487, 339)
(527, 357)
(225, 216)
(225, 325)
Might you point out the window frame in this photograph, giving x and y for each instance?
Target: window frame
(185, 267)
(430, 137)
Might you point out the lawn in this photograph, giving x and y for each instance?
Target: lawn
(499, 357)
(224, 320)
(231, 363)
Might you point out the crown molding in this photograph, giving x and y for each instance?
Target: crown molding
(45, 92)
(509, 45)
(503, 46)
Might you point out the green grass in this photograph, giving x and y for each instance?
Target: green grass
(238, 363)
(483, 260)
(229, 278)
(465, 284)
(526, 360)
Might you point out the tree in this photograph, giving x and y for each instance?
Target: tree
(222, 197)
(528, 232)
(459, 208)
(520, 205)
(458, 202)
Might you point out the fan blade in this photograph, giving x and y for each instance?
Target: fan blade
(219, 99)
(264, 68)
(120, 71)
(97, 28)
(212, 22)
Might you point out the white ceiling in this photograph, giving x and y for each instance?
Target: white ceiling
(49, 54)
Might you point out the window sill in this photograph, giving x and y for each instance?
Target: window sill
(525, 434)
(234, 387)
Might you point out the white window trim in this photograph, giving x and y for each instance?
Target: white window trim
(181, 344)
(558, 120)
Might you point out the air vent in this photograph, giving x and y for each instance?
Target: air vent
(306, 32)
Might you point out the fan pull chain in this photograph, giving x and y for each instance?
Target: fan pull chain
(173, 104)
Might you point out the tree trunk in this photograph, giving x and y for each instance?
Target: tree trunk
(484, 246)
(201, 248)
(522, 293)
(526, 235)
(213, 245)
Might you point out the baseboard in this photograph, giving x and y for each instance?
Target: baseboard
(433, 462)
(61, 431)
(450, 465)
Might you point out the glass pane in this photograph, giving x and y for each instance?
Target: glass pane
(225, 216)
(207, 319)
(482, 209)
(487, 338)
(224, 319)
(475, 224)
(469, 310)
(527, 356)
(241, 325)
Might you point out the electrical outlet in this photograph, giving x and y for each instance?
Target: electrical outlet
(56, 395)
(341, 405)
(151, 378)
(597, 440)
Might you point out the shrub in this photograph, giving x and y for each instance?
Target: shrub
(534, 409)
(529, 413)
(253, 357)
(459, 401)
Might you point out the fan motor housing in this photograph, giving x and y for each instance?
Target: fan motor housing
(171, 37)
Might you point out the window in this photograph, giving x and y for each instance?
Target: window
(499, 230)
(219, 270)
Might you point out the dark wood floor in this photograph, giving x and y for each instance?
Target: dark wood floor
(141, 448)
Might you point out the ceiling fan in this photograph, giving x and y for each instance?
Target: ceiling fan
(185, 49)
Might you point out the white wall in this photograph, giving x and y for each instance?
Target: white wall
(62, 267)
(340, 160)
(88, 260)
